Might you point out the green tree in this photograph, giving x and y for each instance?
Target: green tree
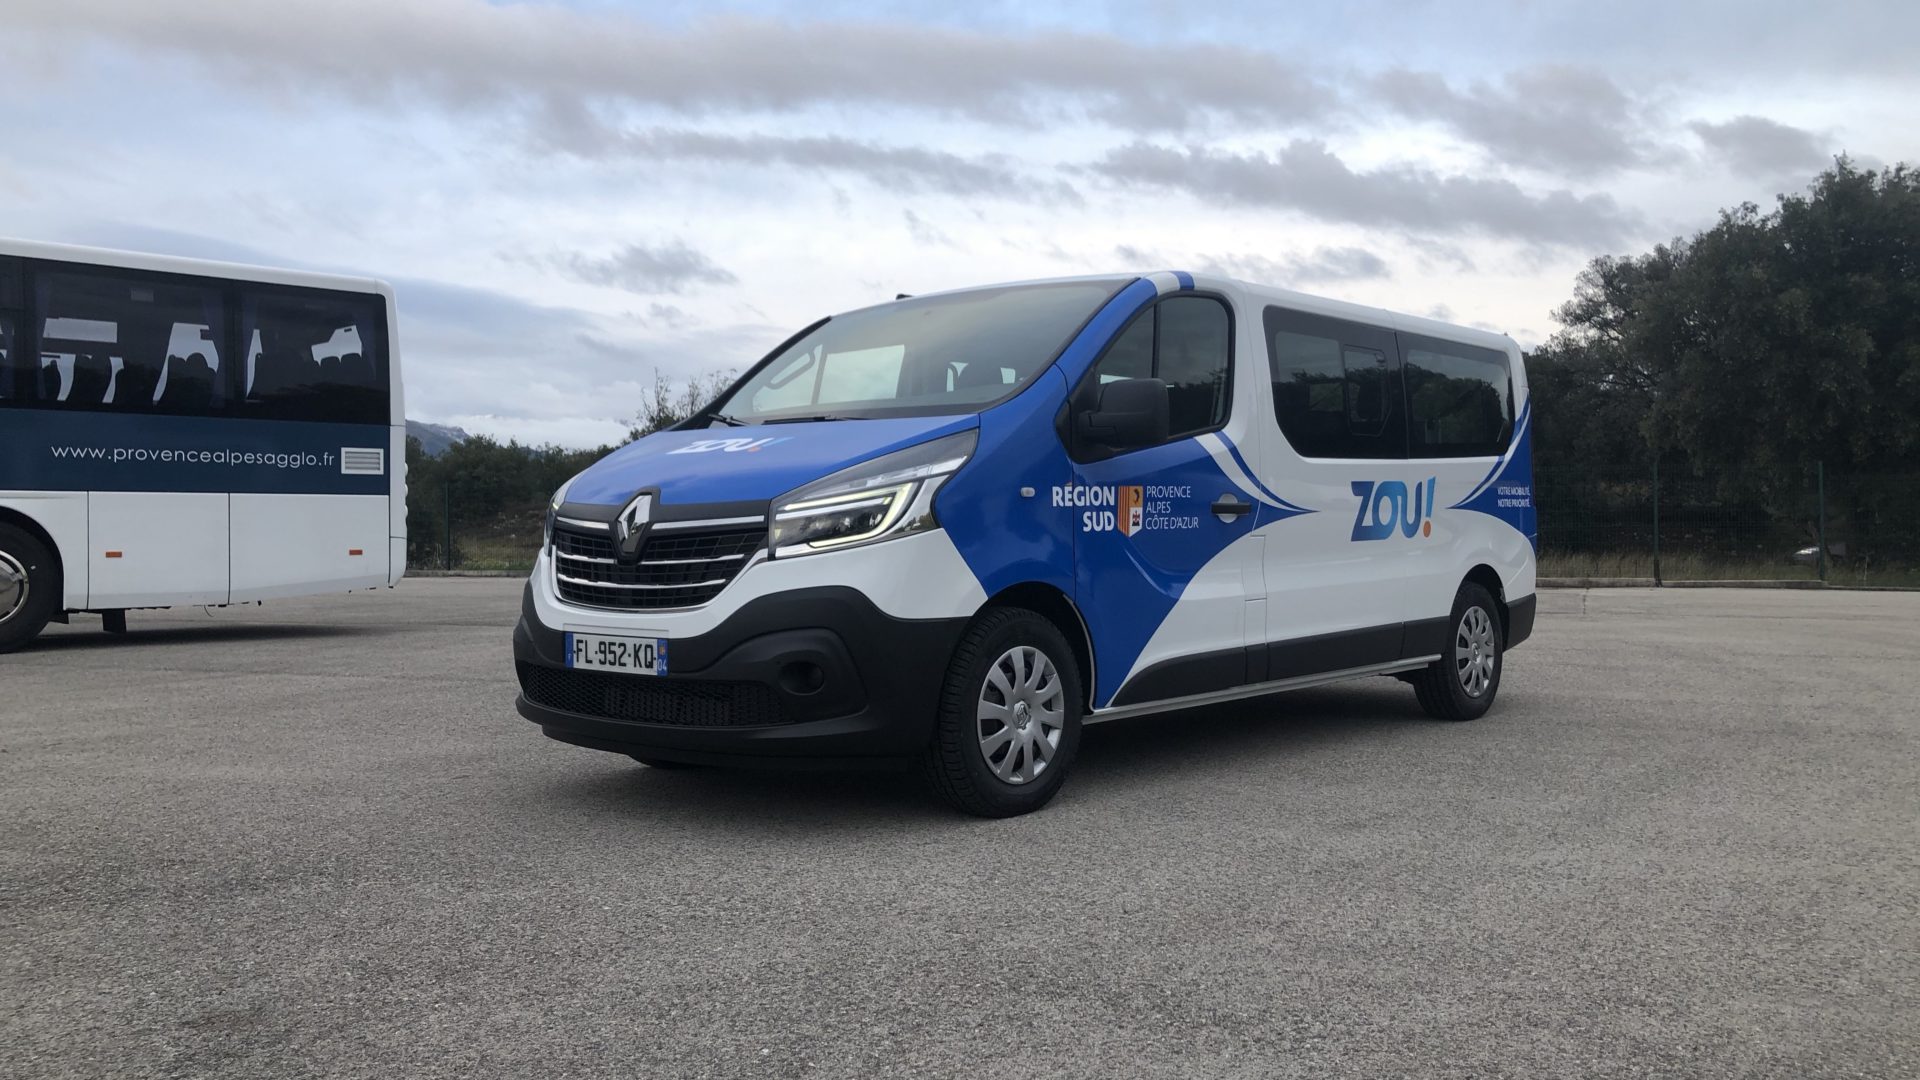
(665, 407)
(1760, 346)
(1769, 339)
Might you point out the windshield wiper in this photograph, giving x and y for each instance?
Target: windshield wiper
(808, 419)
(730, 421)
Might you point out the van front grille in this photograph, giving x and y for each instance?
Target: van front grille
(677, 568)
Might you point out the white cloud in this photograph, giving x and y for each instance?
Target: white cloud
(721, 181)
(1306, 176)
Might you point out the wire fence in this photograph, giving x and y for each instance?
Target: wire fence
(1693, 522)
(452, 530)
(1677, 522)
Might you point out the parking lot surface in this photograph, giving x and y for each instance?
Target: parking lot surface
(314, 839)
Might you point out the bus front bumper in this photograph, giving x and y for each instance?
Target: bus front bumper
(810, 678)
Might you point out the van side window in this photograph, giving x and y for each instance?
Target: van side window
(128, 344)
(1184, 341)
(1192, 358)
(1459, 399)
(1131, 354)
(1336, 391)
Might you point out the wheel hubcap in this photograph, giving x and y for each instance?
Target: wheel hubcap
(13, 586)
(1476, 649)
(1022, 715)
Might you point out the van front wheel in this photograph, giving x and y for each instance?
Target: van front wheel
(1009, 723)
(1461, 684)
(29, 587)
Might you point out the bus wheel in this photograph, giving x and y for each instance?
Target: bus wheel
(29, 587)
(1462, 683)
(1009, 722)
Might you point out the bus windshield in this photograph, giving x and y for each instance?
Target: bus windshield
(929, 356)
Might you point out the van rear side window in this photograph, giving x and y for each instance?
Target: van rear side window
(1459, 399)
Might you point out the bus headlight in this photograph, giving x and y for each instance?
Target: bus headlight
(876, 500)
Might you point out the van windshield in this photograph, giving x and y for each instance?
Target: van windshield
(927, 356)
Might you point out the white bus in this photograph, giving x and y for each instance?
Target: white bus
(179, 432)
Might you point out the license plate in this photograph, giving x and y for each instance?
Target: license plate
(633, 656)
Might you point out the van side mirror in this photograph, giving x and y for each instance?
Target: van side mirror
(1130, 413)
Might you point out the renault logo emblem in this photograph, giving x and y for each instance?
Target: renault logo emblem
(630, 527)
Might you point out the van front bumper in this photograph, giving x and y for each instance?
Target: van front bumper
(816, 677)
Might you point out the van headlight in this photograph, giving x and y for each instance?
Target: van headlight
(876, 500)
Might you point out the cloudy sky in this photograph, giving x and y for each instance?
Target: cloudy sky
(571, 196)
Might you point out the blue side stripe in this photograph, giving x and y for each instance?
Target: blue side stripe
(1234, 452)
(1185, 279)
(1526, 414)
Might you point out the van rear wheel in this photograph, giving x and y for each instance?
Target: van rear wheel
(1461, 684)
(29, 587)
(1009, 723)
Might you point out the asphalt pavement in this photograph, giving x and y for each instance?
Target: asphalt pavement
(314, 839)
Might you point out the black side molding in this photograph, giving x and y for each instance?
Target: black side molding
(1520, 619)
(1229, 669)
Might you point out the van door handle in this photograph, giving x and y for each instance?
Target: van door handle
(1229, 507)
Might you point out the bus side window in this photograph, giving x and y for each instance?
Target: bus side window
(128, 344)
(8, 372)
(313, 357)
(11, 363)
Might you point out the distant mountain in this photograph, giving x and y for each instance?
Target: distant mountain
(435, 438)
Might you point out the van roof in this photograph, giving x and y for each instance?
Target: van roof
(1296, 301)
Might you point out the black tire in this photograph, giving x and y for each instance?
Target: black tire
(956, 767)
(1439, 685)
(661, 763)
(23, 617)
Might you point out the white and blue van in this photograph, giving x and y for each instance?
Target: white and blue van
(948, 531)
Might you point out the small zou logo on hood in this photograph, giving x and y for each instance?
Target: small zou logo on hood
(1384, 505)
(729, 446)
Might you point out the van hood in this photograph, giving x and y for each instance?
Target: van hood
(748, 464)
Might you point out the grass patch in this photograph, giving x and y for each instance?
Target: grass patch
(1676, 567)
(510, 542)
(1688, 567)
(496, 552)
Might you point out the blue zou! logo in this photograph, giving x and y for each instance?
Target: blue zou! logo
(1383, 505)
